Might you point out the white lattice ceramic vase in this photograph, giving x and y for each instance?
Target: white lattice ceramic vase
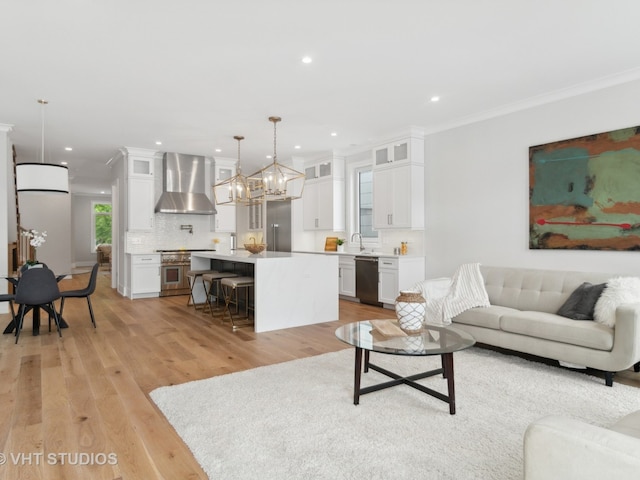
(410, 310)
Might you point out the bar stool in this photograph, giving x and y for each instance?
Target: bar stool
(230, 287)
(192, 276)
(211, 280)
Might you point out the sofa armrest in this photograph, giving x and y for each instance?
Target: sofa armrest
(626, 345)
(559, 447)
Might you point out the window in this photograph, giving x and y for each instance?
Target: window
(101, 224)
(364, 203)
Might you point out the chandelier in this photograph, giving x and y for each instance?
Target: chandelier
(276, 181)
(234, 189)
(42, 177)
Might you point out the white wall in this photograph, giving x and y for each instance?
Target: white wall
(477, 185)
(50, 213)
(6, 159)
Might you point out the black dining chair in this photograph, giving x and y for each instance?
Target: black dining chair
(9, 297)
(37, 288)
(83, 293)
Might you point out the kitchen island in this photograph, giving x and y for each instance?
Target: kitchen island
(291, 289)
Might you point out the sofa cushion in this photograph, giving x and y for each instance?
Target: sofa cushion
(553, 327)
(582, 302)
(620, 290)
(487, 317)
(629, 425)
(530, 289)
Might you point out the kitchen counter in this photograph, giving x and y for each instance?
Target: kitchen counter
(244, 256)
(360, 254)
(291, 289)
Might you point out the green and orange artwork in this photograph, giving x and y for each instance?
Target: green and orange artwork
(584, 193)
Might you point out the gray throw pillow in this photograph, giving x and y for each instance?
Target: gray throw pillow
(582, 301)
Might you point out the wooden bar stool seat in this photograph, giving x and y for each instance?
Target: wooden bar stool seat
(211, 284)
(230, 290)
(193, 275)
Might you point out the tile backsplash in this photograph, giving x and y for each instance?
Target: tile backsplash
(168, 234)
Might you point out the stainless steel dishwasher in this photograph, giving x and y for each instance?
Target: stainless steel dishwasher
(367, 280)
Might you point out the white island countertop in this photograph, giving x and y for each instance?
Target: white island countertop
(290, 289)
(245, 256)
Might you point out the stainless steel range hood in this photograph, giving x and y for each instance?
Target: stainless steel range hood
(183, 185)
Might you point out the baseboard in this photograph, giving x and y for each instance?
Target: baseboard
(82, 264)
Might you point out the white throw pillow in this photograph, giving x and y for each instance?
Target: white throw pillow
(620, 290)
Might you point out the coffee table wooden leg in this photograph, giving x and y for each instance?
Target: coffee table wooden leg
(358, 375)
(447, 362)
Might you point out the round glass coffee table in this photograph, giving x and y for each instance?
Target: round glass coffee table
(385, 336)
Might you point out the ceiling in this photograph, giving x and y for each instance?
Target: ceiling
(194, 73)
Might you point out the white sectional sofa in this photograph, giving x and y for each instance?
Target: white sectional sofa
(569, 449)
(522, 317)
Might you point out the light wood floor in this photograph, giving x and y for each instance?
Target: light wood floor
(88, 392)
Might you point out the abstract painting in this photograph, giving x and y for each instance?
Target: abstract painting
(584, 193)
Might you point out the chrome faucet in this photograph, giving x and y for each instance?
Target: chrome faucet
(359, 236)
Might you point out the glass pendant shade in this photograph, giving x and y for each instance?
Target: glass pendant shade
(235, 189)
(276, 181)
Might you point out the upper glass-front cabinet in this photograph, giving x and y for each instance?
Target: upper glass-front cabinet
(310, 173)
(140, 166)
(324, 169)
(319, 170)
(393, 152)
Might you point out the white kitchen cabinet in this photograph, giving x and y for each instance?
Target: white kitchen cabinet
(398, 273)
(324, 196)
(140, 204)
(347, 275)
(225, 218)
(398, 185)
(387, 280)
(145, 275)
(392, 199)
(322, 207)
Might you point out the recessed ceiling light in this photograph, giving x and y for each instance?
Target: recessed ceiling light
(269, 156)
(68, 149)
(218, 150)
(307, 59)
(101, 191)
(435, 98)
(63, 163)
(297, 147)
(158, 142)
(334, 134)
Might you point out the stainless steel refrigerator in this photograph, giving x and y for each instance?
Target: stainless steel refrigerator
(279, 226)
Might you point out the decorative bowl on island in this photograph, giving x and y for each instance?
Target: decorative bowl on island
(255, 247)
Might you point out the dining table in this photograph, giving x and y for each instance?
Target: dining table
(11, 326)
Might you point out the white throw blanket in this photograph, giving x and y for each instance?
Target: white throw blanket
(465, 290)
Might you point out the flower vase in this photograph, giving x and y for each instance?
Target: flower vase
(340, 248)
(410, 310)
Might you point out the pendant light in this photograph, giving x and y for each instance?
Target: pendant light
(234, 189)
(276, 181)
(42, 177)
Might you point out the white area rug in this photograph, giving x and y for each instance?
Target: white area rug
(296, 420)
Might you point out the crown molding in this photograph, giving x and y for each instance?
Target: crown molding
(542, 99)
